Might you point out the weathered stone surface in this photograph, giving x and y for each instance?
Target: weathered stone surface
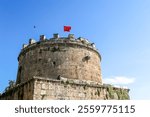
(59, 57)
(54, 89)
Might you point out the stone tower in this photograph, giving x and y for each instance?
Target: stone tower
(59, 56)
(61, 68)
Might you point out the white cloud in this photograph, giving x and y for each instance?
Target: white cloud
(119, 80)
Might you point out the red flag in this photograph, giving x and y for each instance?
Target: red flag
(67, 28)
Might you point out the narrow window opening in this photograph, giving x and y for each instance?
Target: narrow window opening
(54, 63)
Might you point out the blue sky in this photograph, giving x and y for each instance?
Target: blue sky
(119, 28)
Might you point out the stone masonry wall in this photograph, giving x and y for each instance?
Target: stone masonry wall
(68, 89)
(40, 88)
(50, 59)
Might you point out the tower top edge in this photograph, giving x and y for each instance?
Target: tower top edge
(56, 39)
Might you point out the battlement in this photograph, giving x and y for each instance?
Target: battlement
(57, 39)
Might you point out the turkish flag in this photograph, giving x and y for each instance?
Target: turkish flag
(67, 28)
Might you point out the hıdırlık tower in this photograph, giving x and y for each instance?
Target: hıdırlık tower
(61, 68)
(59, 57)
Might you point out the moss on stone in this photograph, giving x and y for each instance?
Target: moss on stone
(122, 94)
(111, 92)
(67, 82)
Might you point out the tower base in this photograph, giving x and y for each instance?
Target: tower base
(39, 88)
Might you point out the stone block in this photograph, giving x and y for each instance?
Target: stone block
(24, 46)
(42, 37)
(71, 36)
(56, 36)
(43, 92)
(32, 41)
(44, 86)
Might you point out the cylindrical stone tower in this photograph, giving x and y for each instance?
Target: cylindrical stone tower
(59, 56)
